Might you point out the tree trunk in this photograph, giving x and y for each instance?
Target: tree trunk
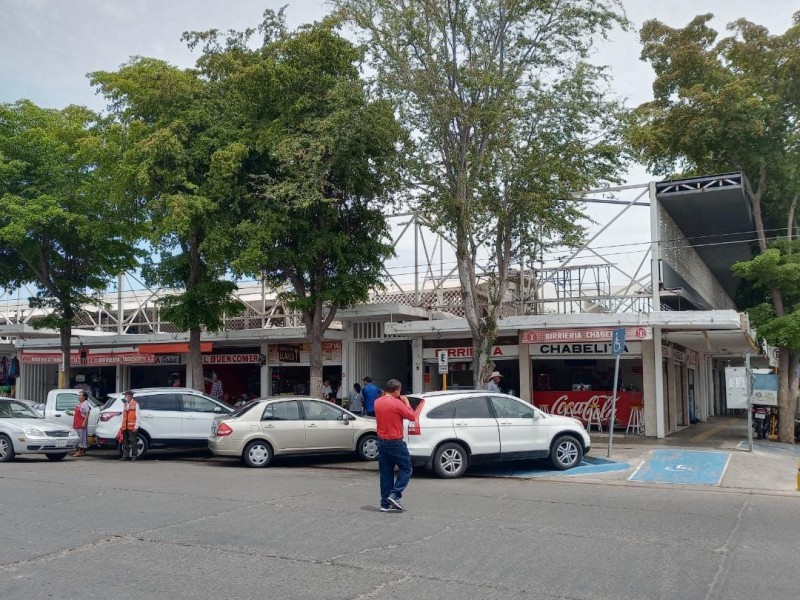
(195, 360)
(66, 337)
(314, 337)
(788, 409)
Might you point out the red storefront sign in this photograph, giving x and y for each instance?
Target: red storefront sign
(87, 359)
(595, 334)
(558, 404)
(231, 359)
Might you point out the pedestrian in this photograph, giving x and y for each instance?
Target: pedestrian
(80, 423)
(494, 382)
(390, 411)
(327, 391)
(355, 401)
(130, 427)
(369, 393)
(216, 386)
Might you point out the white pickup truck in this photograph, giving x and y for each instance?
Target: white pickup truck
(60, 408)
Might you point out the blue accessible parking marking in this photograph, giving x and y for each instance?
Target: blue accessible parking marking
(590, 465)
(695, 467)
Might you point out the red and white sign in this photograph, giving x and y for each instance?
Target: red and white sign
(93, 359)
(559, 404)
(581, 349)
(88, 359)
(594, 334)
(231, 359)
(465, 353)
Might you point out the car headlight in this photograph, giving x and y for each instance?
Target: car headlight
(31, 432)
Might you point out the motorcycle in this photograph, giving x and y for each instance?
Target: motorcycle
(761, 421)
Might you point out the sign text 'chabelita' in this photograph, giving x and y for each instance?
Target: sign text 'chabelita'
(576, 348)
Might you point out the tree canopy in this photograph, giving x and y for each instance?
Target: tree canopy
(314, 226)
(60, 228)
(734, 104)
(509, 122)
(182, 160)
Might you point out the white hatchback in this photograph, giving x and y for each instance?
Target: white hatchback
(169, 417)
(457, 428)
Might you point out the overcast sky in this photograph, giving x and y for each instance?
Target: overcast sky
(48, 46)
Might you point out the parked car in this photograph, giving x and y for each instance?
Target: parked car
(24, 431)
(169, 417)
(59, 407)
(269, 427)
(454, 429)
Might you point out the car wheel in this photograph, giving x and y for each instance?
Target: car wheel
(450, 460)
(142, 445)
(54, 456)
(257, 454)
(6, 448)
(566, 453)
(368, 447)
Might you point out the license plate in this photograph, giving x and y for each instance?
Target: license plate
(761, 416)
(61, 443)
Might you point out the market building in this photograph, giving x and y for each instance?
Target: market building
(681, 325)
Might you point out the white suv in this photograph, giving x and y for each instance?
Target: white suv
(456, 428)
(169, 417)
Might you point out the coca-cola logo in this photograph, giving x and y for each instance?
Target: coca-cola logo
(581, 409)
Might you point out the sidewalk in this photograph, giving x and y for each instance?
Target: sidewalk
(770, 468)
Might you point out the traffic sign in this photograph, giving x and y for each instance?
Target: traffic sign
(618, 342)
(441, 356)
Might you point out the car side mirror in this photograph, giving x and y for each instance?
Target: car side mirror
(346, 419)
(217, 409)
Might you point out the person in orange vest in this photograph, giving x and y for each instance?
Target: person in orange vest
(80, 421)
(129, 427)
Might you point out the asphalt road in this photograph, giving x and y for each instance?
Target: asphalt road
(185, 528)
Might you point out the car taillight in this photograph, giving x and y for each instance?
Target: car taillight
(108, 416)
(414, 426)
(224, 429)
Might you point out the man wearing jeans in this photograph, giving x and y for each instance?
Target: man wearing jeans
(390, 411)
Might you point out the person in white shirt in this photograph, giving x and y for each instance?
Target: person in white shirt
(494, 382)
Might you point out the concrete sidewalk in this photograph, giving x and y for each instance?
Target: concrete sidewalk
(770, 468)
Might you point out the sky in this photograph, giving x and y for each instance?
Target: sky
(47, 47)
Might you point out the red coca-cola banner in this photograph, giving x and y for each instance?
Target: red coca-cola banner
(558, 404)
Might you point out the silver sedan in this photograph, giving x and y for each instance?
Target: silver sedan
(24, 431)
(263, 429)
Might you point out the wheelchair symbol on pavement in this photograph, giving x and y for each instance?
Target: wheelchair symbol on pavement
(678, 468)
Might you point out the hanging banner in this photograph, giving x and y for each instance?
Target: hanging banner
(736, 387)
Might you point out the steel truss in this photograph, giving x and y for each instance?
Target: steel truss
(587, 280)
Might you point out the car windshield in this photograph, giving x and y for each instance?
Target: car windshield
(13, 409)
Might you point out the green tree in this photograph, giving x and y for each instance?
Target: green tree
(314, 227)
(60, 228)
(732, 104)
(508, 119)
(183, 161)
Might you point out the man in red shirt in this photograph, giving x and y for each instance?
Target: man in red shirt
(390, 411)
